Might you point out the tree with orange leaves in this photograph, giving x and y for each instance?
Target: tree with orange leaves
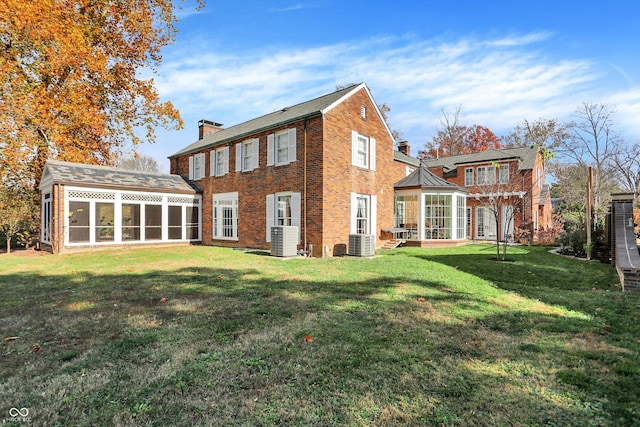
(454, 139)
(70, 84)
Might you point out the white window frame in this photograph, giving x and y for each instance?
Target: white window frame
(219, 160)
(488, 174)
(273, 202)
(539, 181)
(503, 174)
(361, 145)
(247, 155)
(280, 142)
(468, 177)
(196, 166)
(220, 203)
(372, 212)
(122, 197)
(47, 217)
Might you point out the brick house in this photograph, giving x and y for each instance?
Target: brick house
(514, 175)
(326, 166)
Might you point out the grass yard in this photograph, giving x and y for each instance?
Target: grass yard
(200, 336)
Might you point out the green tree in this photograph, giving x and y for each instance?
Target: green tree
(15, 212)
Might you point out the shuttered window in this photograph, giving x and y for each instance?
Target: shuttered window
(247, 155)
(282, 209)
(363, 151)
(281, 147)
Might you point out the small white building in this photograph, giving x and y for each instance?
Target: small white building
(88, 206)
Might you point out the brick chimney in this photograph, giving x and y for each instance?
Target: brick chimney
(205, 127)
(404, 148)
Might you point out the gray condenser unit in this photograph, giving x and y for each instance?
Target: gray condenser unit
(284, 240)
(362, 245)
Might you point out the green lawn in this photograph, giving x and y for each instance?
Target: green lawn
(411, 337)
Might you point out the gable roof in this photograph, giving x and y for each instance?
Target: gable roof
(526, 155)
(68, 173)
(424, 178)
(401, 157)
(314, 107)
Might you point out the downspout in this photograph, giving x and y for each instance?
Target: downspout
(57, 231)
(304, 189)
(524, 200)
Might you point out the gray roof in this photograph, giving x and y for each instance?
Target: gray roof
(527, 156)
(109, 177)
(424, 178)
(286, 115)
(401, 157)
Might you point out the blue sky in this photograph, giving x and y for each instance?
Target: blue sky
(501, 61)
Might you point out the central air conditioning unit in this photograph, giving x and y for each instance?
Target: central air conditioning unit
(284, 240)
(362, 245)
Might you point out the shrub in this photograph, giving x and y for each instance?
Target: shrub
(548, 236)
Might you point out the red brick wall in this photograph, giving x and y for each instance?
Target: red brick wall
(342, 178)
(330, 179)
(252, 186)
(519, 181)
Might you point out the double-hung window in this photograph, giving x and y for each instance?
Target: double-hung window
(504, 173)
(196, 166)
(363, 213)
(468, 177)
(486, 175)
(247, 155)
(363, 151)
(220, 161)
(281, 147)
(283, 209)
(363, 216)
(225, 216)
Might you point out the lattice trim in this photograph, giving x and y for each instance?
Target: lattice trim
(91, 195)
(183, 200)
(141, 198)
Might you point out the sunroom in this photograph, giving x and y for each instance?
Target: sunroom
(97, 206)
(429, 211)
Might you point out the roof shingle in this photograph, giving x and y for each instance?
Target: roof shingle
(527, 156)
(286, 115)
(424, 178)
(109, 177)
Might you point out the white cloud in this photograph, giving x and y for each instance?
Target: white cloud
(520, 39)
(297, 6)
(497, 82)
